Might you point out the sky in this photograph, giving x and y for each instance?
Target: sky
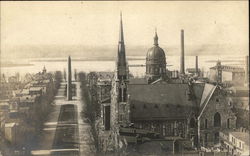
(96, 23)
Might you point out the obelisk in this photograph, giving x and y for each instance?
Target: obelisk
(69, 85)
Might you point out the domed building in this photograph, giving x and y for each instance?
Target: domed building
(155, 62)
(161, 105)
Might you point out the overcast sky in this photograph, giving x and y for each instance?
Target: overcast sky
(97, 23)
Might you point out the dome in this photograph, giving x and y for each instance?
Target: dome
(155, 61)
(156, 53)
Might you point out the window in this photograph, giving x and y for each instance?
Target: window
(217, 120)
(206, 136)
(217, 100)
(164, 129)
(192, 123)
(205, 124)
(216, 138)
(140, 125)
(228, 123)
(133, 106)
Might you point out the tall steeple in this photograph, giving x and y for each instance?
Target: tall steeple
(119, 103)
(121, 56)
(121, 38)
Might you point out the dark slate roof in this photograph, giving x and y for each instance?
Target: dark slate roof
(198, 91)
(105, 75)
(160, 101)
(138, 81)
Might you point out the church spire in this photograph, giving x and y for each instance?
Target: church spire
(121, 60)
(121, 38)
(156, 38)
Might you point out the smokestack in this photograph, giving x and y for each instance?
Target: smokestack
(196, 66)
(219, 72)
(182, 65)
(69, 90)
(247, 70)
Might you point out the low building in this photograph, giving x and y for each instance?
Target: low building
(227, 74)
(235, 142)
(192, 71)
(11, 132)
(240, 101)
(4, 110)
(36, 91)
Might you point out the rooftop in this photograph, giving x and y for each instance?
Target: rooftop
(229, 68)
(12, 124)
(241, 136)
(160, 101)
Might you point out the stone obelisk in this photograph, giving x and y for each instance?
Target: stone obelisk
(69, 83)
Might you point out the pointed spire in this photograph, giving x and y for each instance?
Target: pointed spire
(121, 56)
(121, 38)
(156, 38)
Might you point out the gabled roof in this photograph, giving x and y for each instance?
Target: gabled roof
(198, 90)
(206, 92)
(206, 96)
(160, 101)
(176, 93)
(149, 111)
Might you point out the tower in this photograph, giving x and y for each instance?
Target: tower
(119, 98)
(44, 70)
(69, 85)
(155, 62)
(219, 72)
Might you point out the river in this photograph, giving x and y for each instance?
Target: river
(173, 62)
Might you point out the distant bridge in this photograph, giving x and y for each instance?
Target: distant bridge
(141, 65)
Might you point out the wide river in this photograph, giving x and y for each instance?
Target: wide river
(173, 62)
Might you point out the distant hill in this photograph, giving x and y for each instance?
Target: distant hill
(46, 51)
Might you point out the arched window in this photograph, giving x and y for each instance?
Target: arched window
(192, 123)
(206, 138)
(228, 123)
(216, 138)
(217, 120)
(205, 123)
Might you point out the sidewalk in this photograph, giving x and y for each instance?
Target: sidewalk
(85, 142)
